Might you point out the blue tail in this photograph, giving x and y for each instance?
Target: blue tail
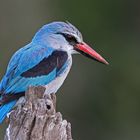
(4, 109)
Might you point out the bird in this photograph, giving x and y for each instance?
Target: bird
(45, 61)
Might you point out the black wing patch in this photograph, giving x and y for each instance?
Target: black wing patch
(6, 98)
(56, 60)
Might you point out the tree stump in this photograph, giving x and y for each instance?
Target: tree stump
(37, 119)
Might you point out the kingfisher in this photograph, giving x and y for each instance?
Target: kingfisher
(45, 61)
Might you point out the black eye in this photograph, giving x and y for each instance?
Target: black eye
(71, 39)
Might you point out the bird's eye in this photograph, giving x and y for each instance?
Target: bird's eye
(71, 39)
(69, 36)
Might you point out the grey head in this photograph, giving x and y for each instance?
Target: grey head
(59, 35)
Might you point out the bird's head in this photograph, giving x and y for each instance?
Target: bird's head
(65, 36)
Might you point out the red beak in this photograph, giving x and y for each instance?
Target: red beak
(89, 52)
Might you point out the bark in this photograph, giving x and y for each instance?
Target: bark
(37, 119)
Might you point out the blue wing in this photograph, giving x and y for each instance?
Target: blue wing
(33, 65)
(23, 60)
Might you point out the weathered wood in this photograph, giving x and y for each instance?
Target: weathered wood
(37, 119)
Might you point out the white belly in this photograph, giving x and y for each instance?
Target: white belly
(58, 81)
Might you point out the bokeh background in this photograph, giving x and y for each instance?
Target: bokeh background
(101, 102)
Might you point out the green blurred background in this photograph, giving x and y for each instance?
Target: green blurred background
(101, 102)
